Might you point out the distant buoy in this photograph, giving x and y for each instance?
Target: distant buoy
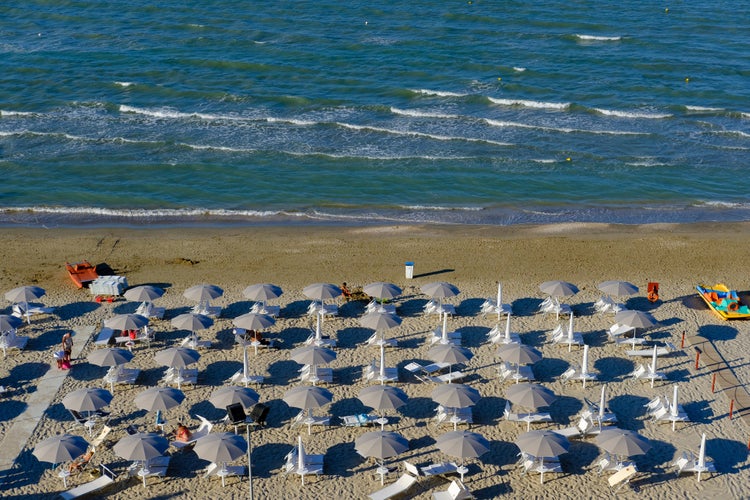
(365, 23)
(687, 80)
(568, 159)
(498, 78)
(666, 10)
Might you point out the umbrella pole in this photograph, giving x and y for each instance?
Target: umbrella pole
(249, 463)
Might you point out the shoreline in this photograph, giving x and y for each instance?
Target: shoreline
(474, 259)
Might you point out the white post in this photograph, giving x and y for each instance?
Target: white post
(382, 363)
(585, 364)
(570, 332)
(702, 456)
(653, 367)
(507, 329)
(249, 462)
(601, 405)
(445, 328)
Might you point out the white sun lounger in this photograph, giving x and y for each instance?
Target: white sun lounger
(106, 478)
(456, 491)
(400, 487)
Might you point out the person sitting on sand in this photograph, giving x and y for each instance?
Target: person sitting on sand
(346, 292)
(81, 462)
(182, 434)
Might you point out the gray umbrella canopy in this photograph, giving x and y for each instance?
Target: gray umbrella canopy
(60, 448)
(558, 288)
(24, 294)
(111, 356)
(519, 354)
(543, 443)
(159, 398)
(462, 444)
(455, 395)
(141, 446)
(635, 319)
(382, 397)
(440, 290)
(622, 442)
(192, 322)
(87, 399)
(382, 290)
(380, 320)
(221, 447)
(177, 357)
(143, 293)
(449, 353)
(313, 355)
(126, 322)
(262, 292)
(307, 397)
(530, 395)
(321, 291)
(254, 321)
(617, 288)
(225, 396)
(8, 323)
(380, 444)
(203, 292)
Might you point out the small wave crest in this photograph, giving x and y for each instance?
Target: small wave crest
(421, 134)
(124, 84)
(598, 38)
(529, 104)
(632, 114)
(439, 93)
(421, 114)
(15, 113)
(170, 113)
(143, 213)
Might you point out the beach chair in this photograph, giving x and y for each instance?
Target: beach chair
(106, 478)
(223, 471)
(610, 464)
(666, 350)
(497, 336)
(359, 420)
(375, 306)
(149, 310)
(9, 340)
(528, 418)
(261, 308)
(240, 378)
(400, 487)
(420, 371)
(319, 374)
(541, 466)
(155, 467)
(372, 373)
(456, 491)
(203, 430)
(585, 427)
(376, 340)
(622, 477)
(104, 337)
(454, 416)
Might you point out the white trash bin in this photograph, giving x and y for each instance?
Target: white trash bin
(409, 270)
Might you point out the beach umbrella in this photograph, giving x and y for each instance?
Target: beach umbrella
(449, 353)
(530, 395)
(321, 291)
(142, 447)
(455, 396)
(126, 322)
(701, 462)
(225, 396)
(192, 322)
(617, 288)
(60, 448)
(221, 447)
(622, 442)
(203, 292)
(635, 319)
(381, 445)
(313, 355)
(159, 398)
(382, 398)
(254, 321)
(143, 293)
(111, 356)
(519, 354)
(381, 290)
(177, 357)
(380, 320)
(24, 295)
(262, 292)
(307, 397)
(440, 290)
(543, 443)
(463, 445)
(88, 399)
(558, 288)
(9, 323)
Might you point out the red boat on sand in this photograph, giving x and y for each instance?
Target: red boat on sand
(82, 273)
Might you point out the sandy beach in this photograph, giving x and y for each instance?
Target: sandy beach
(471, 257)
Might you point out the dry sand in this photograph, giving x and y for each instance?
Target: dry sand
(474, 259)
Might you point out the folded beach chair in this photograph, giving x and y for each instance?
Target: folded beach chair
(106, 478)
(149, 310)
(516, 373)
(268, 310)
(377, 339)
(456, 491)
(610, 464)
(215, 470)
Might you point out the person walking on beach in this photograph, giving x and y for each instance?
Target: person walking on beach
(67, 346)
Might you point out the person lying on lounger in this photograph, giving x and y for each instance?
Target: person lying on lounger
(81, 462)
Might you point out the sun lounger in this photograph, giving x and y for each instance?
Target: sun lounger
(400, 487)
(375, 306)
(609, 464)
(585, 427)
(175, 376)
(507, 371)
(497, 336)
(622, 477)
(27, 310)
(456, 491)
(215, 470)
(240, 378)
(157, 466)
(203, 430)
(669, 348)
(359, 420)
(319, 374)
(528, 418)
(149, 310)
(445, 378)
(437, 336)
(106, 478)
(260, 308)
(9, 340)
(376, 339)
(541, 466)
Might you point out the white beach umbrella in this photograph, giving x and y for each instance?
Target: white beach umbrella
(455, 396)
(111, 356)
(61, 448)
(143, 293)
(635, 319)
(530, 395)
(558, 288)
(221, 447)
(89, 399)
(225, 396)
(262, 292)
(254, 321)
(463, 445)
(381, 445)
(382, 291)
(9, 323)
(321, 291)
(159, 398)
(617, 288)
(141, 447)
(23, 295)
(622, 442)
(177, 357)
(543, 444)
(382, 398)
(203, 292)
(126, 322)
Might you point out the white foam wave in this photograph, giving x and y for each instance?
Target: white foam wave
(125, 84)
(702, 109)
(530, 104)
(598, 38)
(724, 204)
(739, 133)
(519, 69)
(421, 114)
(544, 160)
(15, 113)
(439, 93)
(498, 123)
(144, 213)
(292, 121)
(174, 114)
(632, 114)
(438, 208)
(410, 133)
(216, 148)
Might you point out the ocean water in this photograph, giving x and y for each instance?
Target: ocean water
(478, 112)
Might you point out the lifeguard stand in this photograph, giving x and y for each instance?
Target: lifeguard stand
(653, 291)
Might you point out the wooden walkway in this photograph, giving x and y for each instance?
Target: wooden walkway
(726, 381)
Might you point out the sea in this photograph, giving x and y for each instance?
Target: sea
(169, 112)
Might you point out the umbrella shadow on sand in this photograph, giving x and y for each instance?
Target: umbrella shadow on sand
(341, 460)
(283, 372)
(470, 307)
(564, 407)
(412, 307)
(502, 454)
(629, 410)
(613, 369)
(489, 408)
(274, 457)
(352, 336)
(718, 332)
(23, 373)
(585, 453)
(296, 309)
(218, 372)
(10, 408)
(75, 309)
(473, 336)
(348, 406)
(419, 408)
(295, 335)
(550, 369)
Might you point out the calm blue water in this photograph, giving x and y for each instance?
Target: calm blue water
(379, 111)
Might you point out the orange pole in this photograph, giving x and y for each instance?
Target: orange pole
(713, 383)
(682, 344)
(731, 409)
(697, 358)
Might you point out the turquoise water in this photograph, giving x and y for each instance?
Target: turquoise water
(370, 112)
